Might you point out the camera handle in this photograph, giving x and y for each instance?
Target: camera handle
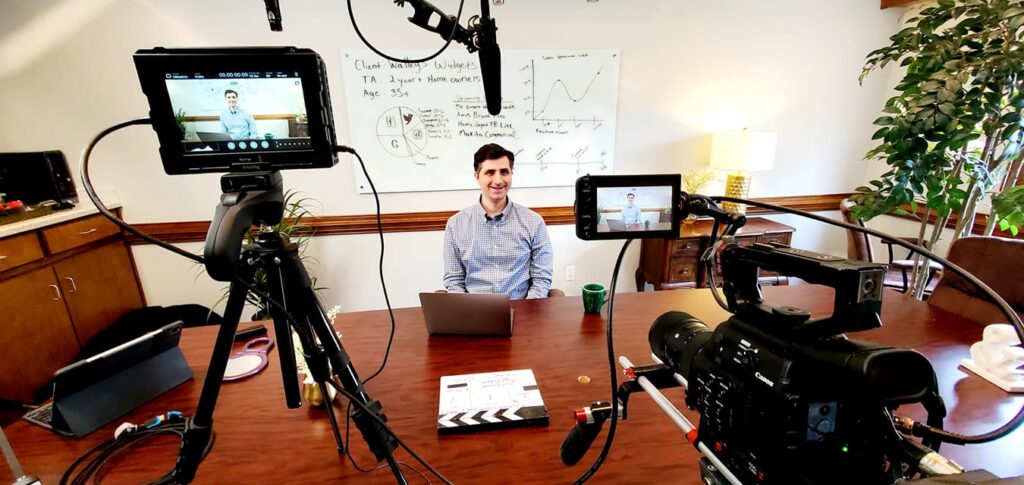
(247, 198)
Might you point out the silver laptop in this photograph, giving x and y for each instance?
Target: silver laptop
(616, 225)
(480, 314)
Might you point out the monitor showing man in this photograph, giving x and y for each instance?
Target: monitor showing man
(216, 107)
(630, 213)
(634, 208)
(494, 245)
(235, 121)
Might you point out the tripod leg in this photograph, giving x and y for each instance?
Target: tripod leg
(329, 407)
(284, 291)
(198, 434)
(282, 329)
(377, 438)
(300, 287)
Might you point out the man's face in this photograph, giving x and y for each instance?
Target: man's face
(629, 199)
(495, 178)
(232, 99)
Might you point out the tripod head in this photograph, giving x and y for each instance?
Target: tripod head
(248, 198)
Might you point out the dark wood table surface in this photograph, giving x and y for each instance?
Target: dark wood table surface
(259, 440)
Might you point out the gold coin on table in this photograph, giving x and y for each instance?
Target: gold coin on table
(583, 379)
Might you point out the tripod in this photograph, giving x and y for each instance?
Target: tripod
(257, 197)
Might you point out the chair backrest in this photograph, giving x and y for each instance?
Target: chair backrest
(996, 261)
(857, 244)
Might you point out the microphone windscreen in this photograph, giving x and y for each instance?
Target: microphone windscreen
(490, 71)
(578, 441)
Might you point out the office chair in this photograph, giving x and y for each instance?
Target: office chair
(996, 261)
(858, 246)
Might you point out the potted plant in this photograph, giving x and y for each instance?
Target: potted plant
(179, 119)
(952, 134)
(693, 181)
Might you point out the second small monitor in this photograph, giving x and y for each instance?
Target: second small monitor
(627, 206)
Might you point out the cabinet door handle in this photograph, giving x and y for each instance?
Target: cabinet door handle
(71, 280)
(56, 292)
(90, 231)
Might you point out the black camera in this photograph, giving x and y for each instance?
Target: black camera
(627, 206)
(787, 399)
(238, 109)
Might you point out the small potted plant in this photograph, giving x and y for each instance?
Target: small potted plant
(693, 181)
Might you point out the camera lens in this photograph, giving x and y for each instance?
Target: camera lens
(676, 337)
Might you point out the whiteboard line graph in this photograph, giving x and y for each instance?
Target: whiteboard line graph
(578, 161)
(539, 114)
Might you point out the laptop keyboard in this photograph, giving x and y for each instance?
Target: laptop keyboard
(42, 415)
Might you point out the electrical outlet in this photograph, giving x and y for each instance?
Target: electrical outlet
(570, 273)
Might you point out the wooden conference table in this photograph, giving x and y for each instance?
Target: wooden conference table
(259, 440)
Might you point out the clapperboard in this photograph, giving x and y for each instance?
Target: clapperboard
(472, 402)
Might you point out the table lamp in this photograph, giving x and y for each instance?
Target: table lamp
(739, 154)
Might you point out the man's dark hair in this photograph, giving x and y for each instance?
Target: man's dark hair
(630, 195)
(492, 151)
(230, 91)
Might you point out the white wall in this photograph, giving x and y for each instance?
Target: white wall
(688, 69)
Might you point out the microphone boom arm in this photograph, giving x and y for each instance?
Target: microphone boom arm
(446, 26)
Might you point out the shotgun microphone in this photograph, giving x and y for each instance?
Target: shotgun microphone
(490, 59)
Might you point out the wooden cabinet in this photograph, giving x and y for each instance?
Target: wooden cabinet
(60, 285)
(36, 336)
(674, 263)
(99, 287)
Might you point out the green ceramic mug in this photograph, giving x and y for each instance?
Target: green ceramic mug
(593, 297)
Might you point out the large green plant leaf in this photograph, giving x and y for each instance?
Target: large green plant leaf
(963, 82)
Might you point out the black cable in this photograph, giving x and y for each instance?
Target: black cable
(924, 430)
(708, 259)
(91, 192)
(378, 467)
(448, 41)
(613, 375)
(380, 264)
(105, 451)
(87, 184)
(352, 399)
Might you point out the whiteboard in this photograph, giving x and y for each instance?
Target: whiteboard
(417, 126)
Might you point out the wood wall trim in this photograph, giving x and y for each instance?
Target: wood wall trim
(896, 3)
(193, 231)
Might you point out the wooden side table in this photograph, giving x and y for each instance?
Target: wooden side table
(673, 263)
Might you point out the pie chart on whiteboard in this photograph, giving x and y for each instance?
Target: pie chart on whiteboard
(401, 132)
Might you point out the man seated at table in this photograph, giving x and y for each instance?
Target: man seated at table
(630, 213)
(495, 246)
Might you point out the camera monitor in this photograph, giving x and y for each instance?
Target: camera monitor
(627, 206)
(238, 109)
